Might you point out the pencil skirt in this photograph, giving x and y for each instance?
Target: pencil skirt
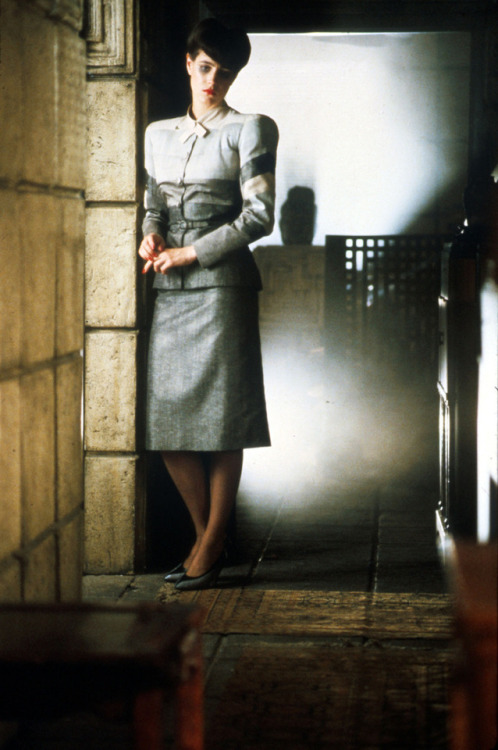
(205, 389)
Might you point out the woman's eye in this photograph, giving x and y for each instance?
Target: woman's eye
(204, 68)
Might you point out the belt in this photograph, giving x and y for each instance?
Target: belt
(182, 224)
(178, 223)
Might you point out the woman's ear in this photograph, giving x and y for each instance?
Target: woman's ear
(189, 64)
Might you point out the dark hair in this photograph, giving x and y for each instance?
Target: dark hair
(228, 47)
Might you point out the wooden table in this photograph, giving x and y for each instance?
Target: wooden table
(58, 658)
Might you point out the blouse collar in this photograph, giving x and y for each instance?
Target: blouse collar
(190, 126)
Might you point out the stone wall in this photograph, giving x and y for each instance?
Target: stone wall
(113, 484)
(42, 223)
(135, 61)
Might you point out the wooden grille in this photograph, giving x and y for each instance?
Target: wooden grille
(382, 298)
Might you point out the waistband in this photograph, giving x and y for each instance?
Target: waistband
(181, 224)
(178, 223)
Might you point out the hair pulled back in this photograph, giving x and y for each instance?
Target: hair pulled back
(230, 48)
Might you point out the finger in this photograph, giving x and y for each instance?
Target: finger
(150, 248)
(162, 265)
(147, 266)
(151, 253)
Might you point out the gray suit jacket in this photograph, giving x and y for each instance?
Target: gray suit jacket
(211, 184)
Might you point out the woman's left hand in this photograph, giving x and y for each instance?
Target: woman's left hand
(173, 257)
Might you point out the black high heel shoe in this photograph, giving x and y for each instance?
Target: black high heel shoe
(175, 574)
(188, 583)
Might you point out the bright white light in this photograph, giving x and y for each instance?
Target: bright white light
(374, 124)
(329, 429)
(487, 411)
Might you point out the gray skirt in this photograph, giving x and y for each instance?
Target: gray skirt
(205, 387)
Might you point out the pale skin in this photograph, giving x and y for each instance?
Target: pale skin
(208, 495)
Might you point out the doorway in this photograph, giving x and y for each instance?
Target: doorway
(375, 128)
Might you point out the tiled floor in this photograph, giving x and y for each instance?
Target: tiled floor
(370, 538)
(347, 519)
(354, 514)
(374, 550)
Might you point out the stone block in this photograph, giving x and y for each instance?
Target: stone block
(38, 122)
(69, 386)
(71, 108)
(10, 583)
(110, 37)
(70, 561)
(144, 588)
(110, 390)
(10, 467)
(10, 283)
(111, 267)
(112, 152)
(38, 242)
(106, 588)
(11, 45)
(110, 483)
(38, 450)
(69, 12)
(40, 573)
(45, 5)
(70, 277)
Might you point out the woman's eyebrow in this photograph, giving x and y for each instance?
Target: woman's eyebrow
(208, 62)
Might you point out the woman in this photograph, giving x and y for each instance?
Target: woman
(210, 192)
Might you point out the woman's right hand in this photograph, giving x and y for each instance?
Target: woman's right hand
(150, 247)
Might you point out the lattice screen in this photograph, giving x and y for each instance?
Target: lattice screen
(382, 298)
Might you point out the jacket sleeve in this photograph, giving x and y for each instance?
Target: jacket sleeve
(257, 151)
(156, 215)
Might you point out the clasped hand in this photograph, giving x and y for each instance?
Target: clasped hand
(162, 259)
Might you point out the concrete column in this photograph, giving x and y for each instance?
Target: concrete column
(113, 485)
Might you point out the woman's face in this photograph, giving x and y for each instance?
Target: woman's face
(209, 82)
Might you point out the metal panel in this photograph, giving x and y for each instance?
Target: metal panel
(382, 299)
